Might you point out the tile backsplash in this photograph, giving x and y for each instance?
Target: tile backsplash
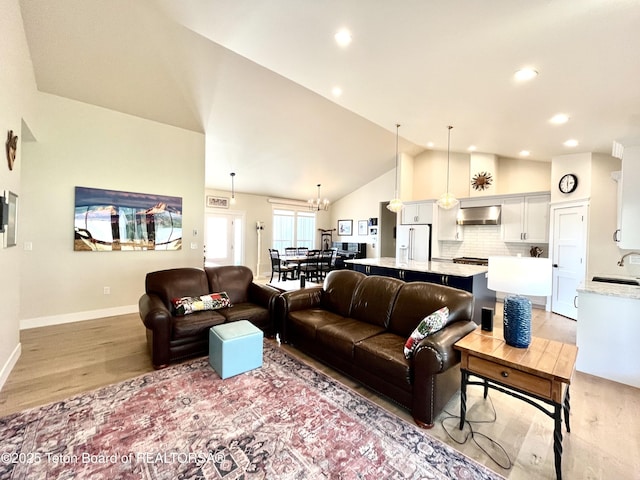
(485, 241)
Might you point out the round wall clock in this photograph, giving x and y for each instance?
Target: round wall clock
(568, 183)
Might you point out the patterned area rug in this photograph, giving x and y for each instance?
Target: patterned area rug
(282, 421)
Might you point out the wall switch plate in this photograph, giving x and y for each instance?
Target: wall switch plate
(107, 290)
(28, 246)
(194, 245)
(634, 259)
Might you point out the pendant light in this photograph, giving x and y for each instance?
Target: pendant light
(316, 204)
(233, 190)
(395, 205)
(448, 200)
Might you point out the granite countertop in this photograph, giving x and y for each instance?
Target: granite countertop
(611, 289)
(441, 267)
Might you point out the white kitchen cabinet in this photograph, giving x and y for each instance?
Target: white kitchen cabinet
(526, 219)
(596, 342)
(447, 226)
(417, 213)
(629, 234)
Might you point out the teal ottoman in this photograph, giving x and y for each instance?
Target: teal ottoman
(235, 348)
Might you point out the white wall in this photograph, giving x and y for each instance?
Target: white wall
(257, 208)
(84, 145)
(17, 91)
(513, 175)
(362, 204)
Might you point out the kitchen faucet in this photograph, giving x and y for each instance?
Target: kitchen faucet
(621, 261)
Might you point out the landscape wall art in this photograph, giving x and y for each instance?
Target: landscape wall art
(110, 220)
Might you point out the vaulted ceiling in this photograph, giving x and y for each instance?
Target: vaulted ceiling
(257, 77)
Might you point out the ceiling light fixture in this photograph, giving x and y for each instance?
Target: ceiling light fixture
(448, 200)
(525, 153)
(472, 148)
(571, 143)
(559, 118)
(525, 74)
(233, 189)
(336, 91)
(395, 205)
(317, 204)
(343, 37)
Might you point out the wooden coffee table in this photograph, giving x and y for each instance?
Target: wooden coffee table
(542, 371)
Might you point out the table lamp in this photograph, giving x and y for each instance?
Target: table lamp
(519, 276)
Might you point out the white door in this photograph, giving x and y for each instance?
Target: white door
(569, 258)
(223, 239)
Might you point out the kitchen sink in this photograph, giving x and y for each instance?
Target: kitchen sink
(619, 281)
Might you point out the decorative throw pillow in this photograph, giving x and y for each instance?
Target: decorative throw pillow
(213, 301)
(426, 327)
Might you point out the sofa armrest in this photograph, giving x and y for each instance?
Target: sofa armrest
(292, 301)
(302, 299)
(435, 353)
(263, 295)
(158, 319)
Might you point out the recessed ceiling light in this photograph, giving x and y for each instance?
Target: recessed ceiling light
(472, 148)
(571, 143)
(559, 118)
(525, 74)
(430, 144)
(343, 37)
(336, 91)
(525, 153)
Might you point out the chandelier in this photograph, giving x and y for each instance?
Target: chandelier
(317, 204)
(448, 200)
(395, 205)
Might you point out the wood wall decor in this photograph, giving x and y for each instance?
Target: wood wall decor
(12, 147)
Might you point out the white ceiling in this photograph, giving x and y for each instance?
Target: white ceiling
(256, 77)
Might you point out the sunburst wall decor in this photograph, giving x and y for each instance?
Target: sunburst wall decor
(482, 181)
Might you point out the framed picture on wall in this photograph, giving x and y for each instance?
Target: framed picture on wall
(362, 227)
(345, 227)
(217, 202)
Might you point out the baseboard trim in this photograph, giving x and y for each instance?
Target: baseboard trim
(76, 317)
(8, 366)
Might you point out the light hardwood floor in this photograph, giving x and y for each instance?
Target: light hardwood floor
(604, 442)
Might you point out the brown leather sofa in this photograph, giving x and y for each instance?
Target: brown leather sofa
(359, 324)
(172, 338)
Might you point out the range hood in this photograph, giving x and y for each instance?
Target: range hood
(479, 215)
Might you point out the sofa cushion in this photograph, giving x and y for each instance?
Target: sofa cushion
(374, 298)
(189, 305)
(195, 324)
(341, 337)
(428, 325)
(233, 279)
(338, 289)
(177, 283)
(416, 300)
(305, 323)
(383, 354)
(247, 311)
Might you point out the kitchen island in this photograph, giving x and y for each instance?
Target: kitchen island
(608, 330)
(471, 278)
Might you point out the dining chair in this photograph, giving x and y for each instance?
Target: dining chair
(278, 267)
(311, 265)
(327, 262)
(291, 251)
(302, 250)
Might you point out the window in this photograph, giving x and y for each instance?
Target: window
(293, 228)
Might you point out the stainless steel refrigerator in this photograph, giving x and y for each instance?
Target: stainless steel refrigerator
(416, 239)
